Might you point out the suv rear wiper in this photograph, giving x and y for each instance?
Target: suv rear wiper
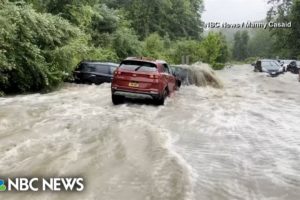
(139, 67)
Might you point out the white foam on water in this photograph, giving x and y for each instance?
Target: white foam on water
(123, 152)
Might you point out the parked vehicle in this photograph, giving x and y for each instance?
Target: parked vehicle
(94, 72)
(142, 78)
(294, 67)
(176, 71)
(285, 64)
(272, 67)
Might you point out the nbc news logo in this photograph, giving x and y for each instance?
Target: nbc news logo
(36, 184)
(2, 185)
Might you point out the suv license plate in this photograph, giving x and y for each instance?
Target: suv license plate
(134, 85)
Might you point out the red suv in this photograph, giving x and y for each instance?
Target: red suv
(142, 78)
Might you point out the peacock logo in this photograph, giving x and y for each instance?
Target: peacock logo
(2, 185)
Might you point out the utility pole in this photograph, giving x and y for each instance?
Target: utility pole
(185, 60)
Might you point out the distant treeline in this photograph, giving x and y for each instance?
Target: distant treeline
(42, 41)
(283, 43)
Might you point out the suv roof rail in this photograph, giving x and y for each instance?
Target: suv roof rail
(92, 60)
(161, 61)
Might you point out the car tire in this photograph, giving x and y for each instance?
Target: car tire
(178, 84)
(161, 100)
(117, 100)
(76, 81)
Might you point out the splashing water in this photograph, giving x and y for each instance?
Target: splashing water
(199, 74)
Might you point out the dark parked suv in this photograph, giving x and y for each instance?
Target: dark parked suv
(294, 67)
(178, 74)
(94, 72)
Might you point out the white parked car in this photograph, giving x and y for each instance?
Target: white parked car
(272, 67)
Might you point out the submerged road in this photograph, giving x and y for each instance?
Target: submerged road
(239, 142)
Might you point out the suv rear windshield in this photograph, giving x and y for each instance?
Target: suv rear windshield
(95, 67)
(138, 66)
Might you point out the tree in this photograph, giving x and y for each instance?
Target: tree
(175, 18)
(36, 50)
(126, 43)
(261, 44)
(224, 52)
(191, 48)
(240, 47)
(153, 46)
(216, 51)
(294, 40)
(287, 40)
(280, 9)
(42, 41)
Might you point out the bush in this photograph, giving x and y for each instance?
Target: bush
(218, 66)
(216, 48)
(36, 50)
(154, 47)
(251, 59)
(191, 48)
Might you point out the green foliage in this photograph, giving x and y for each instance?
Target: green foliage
(35, 49)
(280, 9)
(240, 48)
(175, 18)
(153, 46)
(224, 51)
(252, 59)
(126, 43)
(103, 24)
(191, 48)
(108, 55)
(287, 41)
(216, 50)
(213, 49)
(218, 66)
(42, 41)
(294, 39)
(261, 44)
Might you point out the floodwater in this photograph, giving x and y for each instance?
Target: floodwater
(238, 142)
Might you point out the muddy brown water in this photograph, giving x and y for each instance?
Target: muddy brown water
(238, 142)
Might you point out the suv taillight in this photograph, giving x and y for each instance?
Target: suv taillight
(118, 72)
(153, 76)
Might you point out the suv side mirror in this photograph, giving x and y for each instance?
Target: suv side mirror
(253, 64)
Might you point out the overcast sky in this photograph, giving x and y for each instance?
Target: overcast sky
(234, 11)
